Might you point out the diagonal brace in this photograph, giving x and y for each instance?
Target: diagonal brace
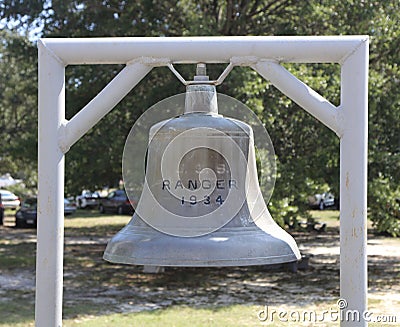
(71, 131)
(301, 93)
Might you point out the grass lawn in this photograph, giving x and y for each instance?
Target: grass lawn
(97, 293)
(234, 315)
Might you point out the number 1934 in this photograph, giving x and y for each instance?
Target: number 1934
(207, 200)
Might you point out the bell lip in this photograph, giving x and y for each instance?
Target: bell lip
(251, 238)
(259, 261)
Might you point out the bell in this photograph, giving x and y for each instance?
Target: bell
(201, 204)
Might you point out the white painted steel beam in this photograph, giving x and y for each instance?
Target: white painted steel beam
(56, 134)
(50, 222)
(312, 49)
(101, 104)
(300, 93)
(353, 182)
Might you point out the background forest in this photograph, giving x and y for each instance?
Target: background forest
(307, 152)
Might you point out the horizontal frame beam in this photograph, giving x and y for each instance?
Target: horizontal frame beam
(297, 49)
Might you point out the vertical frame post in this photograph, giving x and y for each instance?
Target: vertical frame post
(353, 183)
(50, 232)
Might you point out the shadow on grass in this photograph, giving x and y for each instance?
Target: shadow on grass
(99, 231)
(17, 256)
(109, 294)
(19, 309)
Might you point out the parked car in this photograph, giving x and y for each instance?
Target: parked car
(69, 207)
(321, 201)
(116, 201)
(27, 214)
(1, 211)
(87, 199)
(10, 200)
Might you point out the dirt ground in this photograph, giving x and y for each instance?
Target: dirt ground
(93, 286)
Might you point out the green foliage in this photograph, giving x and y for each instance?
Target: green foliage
(18, 107)
(384, 204)
(308, 152)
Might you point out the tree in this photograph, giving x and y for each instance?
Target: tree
(18, 107)
(308, 153)
(379, 20)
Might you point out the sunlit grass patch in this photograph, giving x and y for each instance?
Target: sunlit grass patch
(17, 256)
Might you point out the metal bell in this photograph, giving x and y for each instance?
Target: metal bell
(201, 204)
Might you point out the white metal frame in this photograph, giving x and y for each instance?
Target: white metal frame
(263, 54)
